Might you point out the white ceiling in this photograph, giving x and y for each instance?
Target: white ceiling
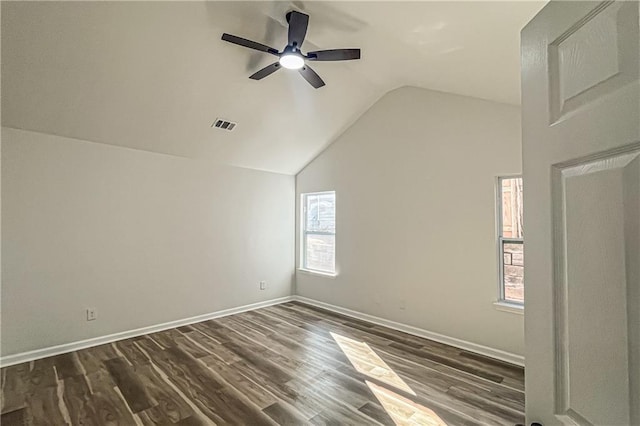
(154, 76)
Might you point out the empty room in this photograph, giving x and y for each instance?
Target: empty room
(320, 213)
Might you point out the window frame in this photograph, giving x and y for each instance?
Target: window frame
(304, 233)
(501, 240)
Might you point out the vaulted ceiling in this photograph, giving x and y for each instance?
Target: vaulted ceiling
(154, 76)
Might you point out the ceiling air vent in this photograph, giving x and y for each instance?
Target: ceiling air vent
(223, 124)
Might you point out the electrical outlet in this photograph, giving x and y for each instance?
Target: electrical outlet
(263, 285)
(92, 314)
(403, 305)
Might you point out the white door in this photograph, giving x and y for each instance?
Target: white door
(581, 164)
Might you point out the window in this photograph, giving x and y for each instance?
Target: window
(510, 240)
(319, 232)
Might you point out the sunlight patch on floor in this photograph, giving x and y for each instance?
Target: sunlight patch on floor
(367, 362)
(403, 411)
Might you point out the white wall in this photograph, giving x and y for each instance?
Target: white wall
(414, 181)
(145, 238)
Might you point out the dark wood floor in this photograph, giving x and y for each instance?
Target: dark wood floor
(286, 364)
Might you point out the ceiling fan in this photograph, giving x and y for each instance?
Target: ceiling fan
(291, 56)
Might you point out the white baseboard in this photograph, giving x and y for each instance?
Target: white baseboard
(8, 360)
(452, 341)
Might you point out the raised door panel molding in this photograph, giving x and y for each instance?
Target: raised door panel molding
(593, 58)
(596, 224)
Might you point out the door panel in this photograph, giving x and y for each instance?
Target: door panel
(596, 204)
(592, 58)
(581, 167)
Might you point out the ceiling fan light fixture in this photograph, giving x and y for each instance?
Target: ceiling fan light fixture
(291, 61)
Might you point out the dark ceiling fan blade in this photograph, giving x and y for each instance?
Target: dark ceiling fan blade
(268, 70)
(334, 55)
(248, 43)
(311, 76)
(298, 23)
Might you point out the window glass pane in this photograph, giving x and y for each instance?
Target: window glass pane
(512, 207)
(319, 254)
(319, 229)
(321, 212)
(513, 271)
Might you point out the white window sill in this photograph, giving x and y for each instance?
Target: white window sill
(317, 273)
(514, 308)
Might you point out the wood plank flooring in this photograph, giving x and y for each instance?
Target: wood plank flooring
(290, 364)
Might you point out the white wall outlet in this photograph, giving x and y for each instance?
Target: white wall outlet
(403, 305)
(263, 285)
(92, 314)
